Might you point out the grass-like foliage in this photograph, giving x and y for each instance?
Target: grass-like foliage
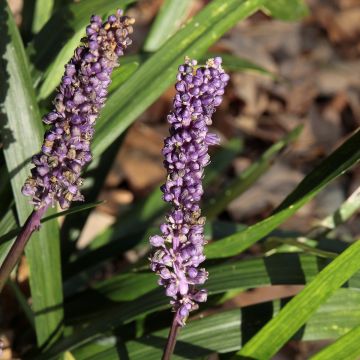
(71, 312)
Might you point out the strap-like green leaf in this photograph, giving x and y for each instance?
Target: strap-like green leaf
(333, 166)
(168, 20)
(347, 209)
(345, 348)
(285, 268)
(234, 63)
(280, 329)
(239, 185)
(20, 113)
(285, 9)
(129, 290)
(42, 13)
(225, 332)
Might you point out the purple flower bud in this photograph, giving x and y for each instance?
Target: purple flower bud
(81, 95)
(156, 240)
(186, 154)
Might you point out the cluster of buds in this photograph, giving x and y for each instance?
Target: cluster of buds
(81, 95)
(179, 250)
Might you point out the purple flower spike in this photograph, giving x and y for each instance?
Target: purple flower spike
(179, 251)
(81, 95)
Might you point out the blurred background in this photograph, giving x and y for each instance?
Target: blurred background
(308, 75)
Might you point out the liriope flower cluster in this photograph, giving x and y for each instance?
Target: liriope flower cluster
(179, 250)
(81, 95)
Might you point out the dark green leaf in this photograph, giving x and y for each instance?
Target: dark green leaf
(7, 222)
(332, 167)
(22, 301)
(20, 114)
(226, 331)
(345, 348)
(239, 185)
(298, 311)
(10, 221)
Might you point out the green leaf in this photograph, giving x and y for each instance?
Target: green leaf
(239, 185)
(60, 36)
(42, 13)
(168, 20)
(300, 244)
(9, 221)
(121, 74)
(234, 63)
(279, 330)
(285, 9)
(345, 348)
(20, 112)
(22, 302)
(159, 71)
(284, 268)
(73, 210)
(329, 169)
(347, 209)
(226, 331)
(274, 270)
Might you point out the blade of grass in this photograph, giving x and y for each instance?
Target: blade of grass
(278, 269)
(167, 21)
(228, 330)
(332, 167)
(234, 63)
(286, 10)
(347, 209)
(22, 302)
(42, 13)
(345, 348)
(300, 244)
(15, 231)
(6, 224)
(20, 112)
(280, 329)
(239, 185)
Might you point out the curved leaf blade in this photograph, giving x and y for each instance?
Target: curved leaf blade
(336, 164)
(169, 18)
(239, 185)
(20, 112)
(345, 348)
(299, 310)
(227, 330)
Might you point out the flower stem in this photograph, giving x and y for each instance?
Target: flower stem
(171, 341)
(32, 223)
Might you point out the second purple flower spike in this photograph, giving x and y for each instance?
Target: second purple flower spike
(179, 250)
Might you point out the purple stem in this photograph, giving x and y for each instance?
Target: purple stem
(32, 223)
(171, 341)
